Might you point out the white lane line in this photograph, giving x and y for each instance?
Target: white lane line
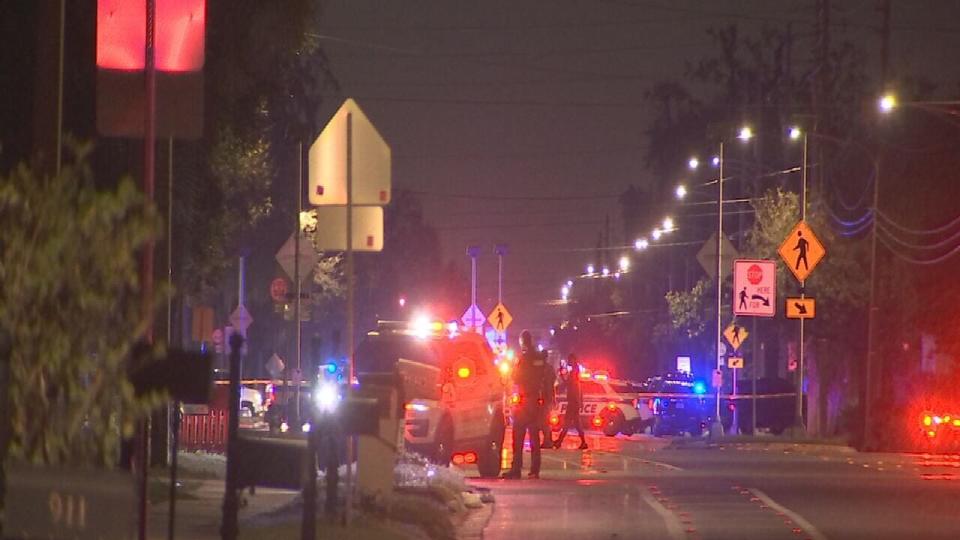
(660, 464)
(797, 518)
(670, 520)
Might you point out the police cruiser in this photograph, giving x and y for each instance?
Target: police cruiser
(610, 405)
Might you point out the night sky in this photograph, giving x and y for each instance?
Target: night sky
(521, 122)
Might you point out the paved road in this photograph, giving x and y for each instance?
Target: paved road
(639, 488)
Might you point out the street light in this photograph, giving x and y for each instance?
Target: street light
(641, 244)
(745, 134)
(667, 224)
(693, 163)
(656, 234)
(624, 263)
(715, 161)
(795, 133)
(681, 191)
(591, 269)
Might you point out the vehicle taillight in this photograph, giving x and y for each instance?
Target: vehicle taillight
(931, 434)
(463, 372)
(611, 406)
(457, 459)
(927, 420)
(504, 367)
(515, 398)
(554, 420)
(597, 421)
(470, 458)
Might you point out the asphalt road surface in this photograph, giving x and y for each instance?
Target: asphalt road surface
(642, 488)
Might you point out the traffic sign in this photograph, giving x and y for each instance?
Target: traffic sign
(717, 379)
(801, 251)
(241, 319)
(287, 256)
(735, 362)
(500, 318)
(707, 256)
(735, 335)
(754, 288)
(331, 233)
(801, 308)
(473, 317)
(369, 161)
(275, 366)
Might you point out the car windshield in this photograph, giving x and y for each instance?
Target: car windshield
(380, 355)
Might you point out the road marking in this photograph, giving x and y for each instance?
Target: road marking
(660, 464)
(797, 518)
(670, 520)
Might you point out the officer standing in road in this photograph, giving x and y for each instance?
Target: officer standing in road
(571, 417)
(550, 401)
(531, 381)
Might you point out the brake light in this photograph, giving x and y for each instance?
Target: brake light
(554, 420)
(584, 374)
(457, 459)
(504, 367)
(611, 406)
(470, 458)
(931, 434)
(463, 372)
(597, 421)
(927, 420)
(600, 377)
(419, 407)
(956, 422)
(515, 398)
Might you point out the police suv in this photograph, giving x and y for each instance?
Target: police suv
(610, 405)
(453, 391)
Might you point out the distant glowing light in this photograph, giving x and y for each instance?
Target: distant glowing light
(564, 291)
(745, 133)
(888, 102)
(715, 160)
(402, 301)
(591, 269)
(641, 244)
(624, 263)
(668, 224)
(656, 234)
(605, 271)
(795, 133)
(463, 372)
(569, 283)
(681, 192)
(693, 163)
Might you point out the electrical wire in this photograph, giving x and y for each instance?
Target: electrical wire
(531, 198)
(955, 238)
(919, 232)
(911, 260)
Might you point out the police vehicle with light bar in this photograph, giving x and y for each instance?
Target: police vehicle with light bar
(609, 405)
(453, 390)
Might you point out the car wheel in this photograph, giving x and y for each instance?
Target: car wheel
(613, 425)
(488, 459)
(249, 410)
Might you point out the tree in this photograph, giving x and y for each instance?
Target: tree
(69, 296)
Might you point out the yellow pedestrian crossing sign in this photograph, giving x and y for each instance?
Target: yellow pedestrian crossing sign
(500, 318)
(735, 335)
(801, 251)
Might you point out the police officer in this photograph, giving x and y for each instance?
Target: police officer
(530, 378)
(571, 417)
(550, 399)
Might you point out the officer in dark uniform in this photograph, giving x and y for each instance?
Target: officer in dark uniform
(571, 417)
(530, 378)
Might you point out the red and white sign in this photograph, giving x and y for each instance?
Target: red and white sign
(754, 288)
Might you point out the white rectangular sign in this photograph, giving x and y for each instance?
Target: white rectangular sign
(331, 234)
(754, 288)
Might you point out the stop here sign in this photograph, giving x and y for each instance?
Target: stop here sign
(754, 288)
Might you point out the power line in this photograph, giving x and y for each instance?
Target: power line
(532, 198)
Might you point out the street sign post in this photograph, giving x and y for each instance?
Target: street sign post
(369, 157)
(500, 318)
(754, 288)
(707, 256)
(801, 308)
(801, 251)
(367, 233)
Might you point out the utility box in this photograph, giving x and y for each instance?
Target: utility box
(377, 452)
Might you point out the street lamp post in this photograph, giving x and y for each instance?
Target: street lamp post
(803, 217)
(716, 430)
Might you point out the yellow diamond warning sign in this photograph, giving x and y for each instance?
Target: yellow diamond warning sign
(735, 335)
(500, 318)
(801, 251)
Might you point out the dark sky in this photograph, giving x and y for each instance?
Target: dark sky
(522, 121)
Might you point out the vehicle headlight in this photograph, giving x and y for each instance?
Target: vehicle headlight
(326, 398)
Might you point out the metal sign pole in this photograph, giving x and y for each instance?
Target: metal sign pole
(351, 441)
(296, 278)
(803, 217)
(718, 425)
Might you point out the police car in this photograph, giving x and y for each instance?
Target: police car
(610, 405)
(454, 393)
(680, 407)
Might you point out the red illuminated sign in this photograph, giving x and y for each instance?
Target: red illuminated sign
(179, 35)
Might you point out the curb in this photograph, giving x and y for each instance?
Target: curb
(765, 445)
(472, 526)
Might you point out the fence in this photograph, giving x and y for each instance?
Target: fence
(206, 432)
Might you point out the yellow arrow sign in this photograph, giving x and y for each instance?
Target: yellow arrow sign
(801, 251)
(500, 318)
(735, 362)
(735, 335)
(801, 308)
